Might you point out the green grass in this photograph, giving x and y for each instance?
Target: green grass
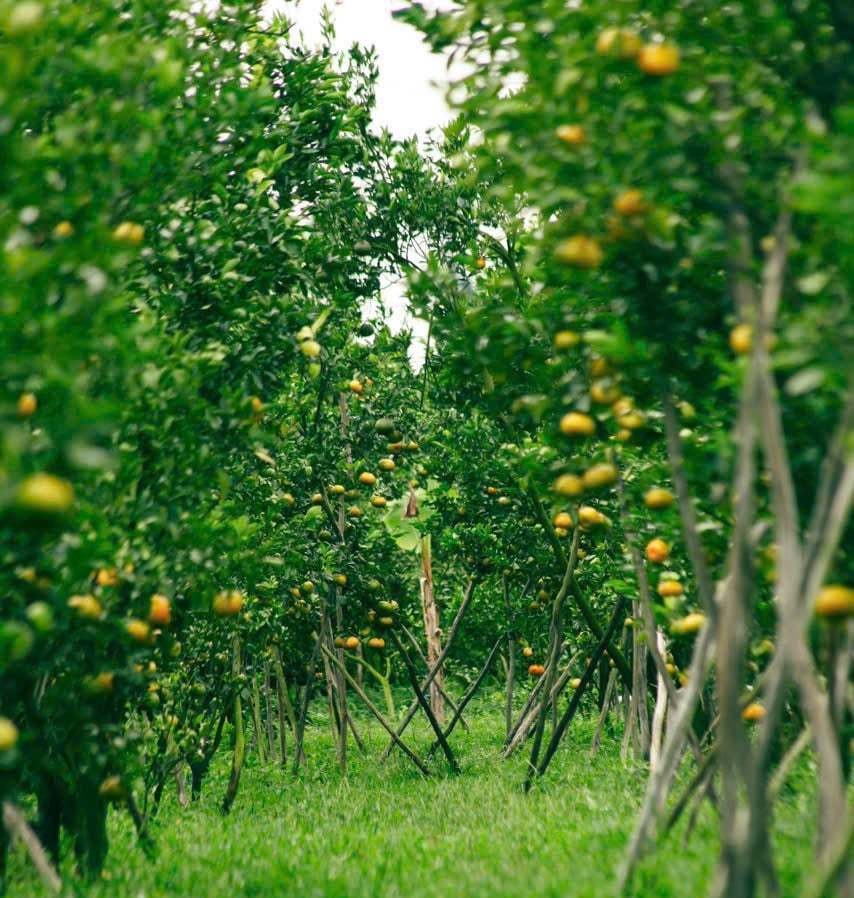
(386, 831)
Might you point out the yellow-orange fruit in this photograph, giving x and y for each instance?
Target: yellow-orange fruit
(629, 202)
(536, 670)
(160, 611)
(620, 42)
(688, 625)
(568, 485)
(670, 588)
(138, 630)
(835, 601)
(753, 712)
(658, 59)
(227, 603)
(562, 520)
(577, 424)
(658, 497)
(657, 551)
(27, 405)
(580, 251)
(87, 606)
(599, 475)
(572, 134)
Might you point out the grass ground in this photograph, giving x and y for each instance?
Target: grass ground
(385, 831)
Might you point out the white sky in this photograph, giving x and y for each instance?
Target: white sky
(407, 101)
(410, 91)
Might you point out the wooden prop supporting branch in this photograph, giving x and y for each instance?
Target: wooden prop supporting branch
(578, 596)
(413, 708)
(425, 705)
(379, 716)
(17, 827)
(431, 629)
(411, 637)
(239, 735)
(300, 734)
(555, 648)
(563, 725)
(532, 708)
(469, 695)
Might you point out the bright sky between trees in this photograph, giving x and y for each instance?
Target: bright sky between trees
(410, 93)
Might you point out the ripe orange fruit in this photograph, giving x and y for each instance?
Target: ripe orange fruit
(378, 501)
(356, 387)
(387, 464)
(45, 494)
(310, 348)
(658, 497)
(339, 579)
(620, 42)
(670, 588)
(527, 651)
(536, 670)
(27, 405)
(563, 520)
(632, 420)
(566, 339)
(317, 499)
(580, 252)
(385, 621)
(138, 630)
(575, 682)
(351, 643)
(336, 490)
(104, 681)
(577, 424)
(658, 59)
(491, 491)
(87, 607)
(657, 551)
(288, 499)
(629, 202)
(256, 404)
(753, 712)
(572, 134)
(129, 232)
(561, 532)
(835, 601)
(481, 263)
(599, 475)
(8, 735)
(367, 478)
(568, 485)
(741, 339)
(376, 642)
(590, 517)
(354, 511)
(689, 624)
(227, 603)
(107, 576)
(160, 612)
(63, 230)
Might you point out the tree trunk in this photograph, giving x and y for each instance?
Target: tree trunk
(431, 630)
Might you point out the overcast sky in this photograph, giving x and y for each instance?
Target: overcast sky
(410, 93)
(407, 101)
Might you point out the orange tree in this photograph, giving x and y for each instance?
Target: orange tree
(190, 231)
(677, 165)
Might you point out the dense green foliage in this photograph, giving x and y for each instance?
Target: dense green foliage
(220, 473)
